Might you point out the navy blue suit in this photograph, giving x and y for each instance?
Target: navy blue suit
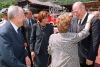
(12, 51)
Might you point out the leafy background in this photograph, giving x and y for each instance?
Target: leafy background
(6, 4)
(63, 2)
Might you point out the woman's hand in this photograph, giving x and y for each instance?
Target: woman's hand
(88, 23)
(90, 17)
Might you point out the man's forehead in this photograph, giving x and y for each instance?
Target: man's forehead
(75, 6)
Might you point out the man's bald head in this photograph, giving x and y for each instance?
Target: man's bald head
(79, 9)
(78, 4)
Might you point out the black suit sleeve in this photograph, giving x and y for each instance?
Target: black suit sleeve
(52, 29)
(7, 53)
(23, 33)
(33, 37)
(95, 36)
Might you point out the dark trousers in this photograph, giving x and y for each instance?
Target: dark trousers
(29, 54)
(84, 65)
(41, 60)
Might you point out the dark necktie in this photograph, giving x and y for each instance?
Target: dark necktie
(78, 26)
(19, 33)
(30, 22)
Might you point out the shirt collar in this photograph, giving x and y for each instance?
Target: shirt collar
(14, 26)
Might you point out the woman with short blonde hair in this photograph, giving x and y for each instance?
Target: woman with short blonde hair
(63, 23)
(63, 45)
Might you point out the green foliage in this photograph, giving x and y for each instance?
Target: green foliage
(62, 2)
(0, 15)
(7, 3)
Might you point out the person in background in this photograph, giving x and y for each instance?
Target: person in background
(35, 16)
(96, 14)
(26, 30)
(12, 51)
(65, 44)
(4, 16)
(0, 19)
(70, 15)
(39, 40)
(88, 47)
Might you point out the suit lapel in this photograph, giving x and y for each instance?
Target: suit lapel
(14, 33)
(83, 23)
(26, 23)
(74, 24)
(38, 30)
(32, 21)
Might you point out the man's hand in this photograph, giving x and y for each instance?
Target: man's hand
(89, 62)
(33, 56)
(25, 44)
(28, 62)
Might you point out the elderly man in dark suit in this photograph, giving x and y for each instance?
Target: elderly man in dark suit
(26, 29)
(88, 47)
(12, 51)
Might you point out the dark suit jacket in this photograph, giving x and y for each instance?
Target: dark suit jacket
(88, 47)
(39, 38)
(12, 52)
(26, 30)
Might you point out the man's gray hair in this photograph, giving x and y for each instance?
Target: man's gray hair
(12, 11)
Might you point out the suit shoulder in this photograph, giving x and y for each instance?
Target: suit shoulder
(49, 25)
(52, 35)
(95, 18)
(35, 24)
(74, 18)
(3, 30)
(34, 20)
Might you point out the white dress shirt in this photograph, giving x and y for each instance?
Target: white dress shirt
(14, 26)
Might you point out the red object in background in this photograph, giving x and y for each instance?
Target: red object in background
(52, 18)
